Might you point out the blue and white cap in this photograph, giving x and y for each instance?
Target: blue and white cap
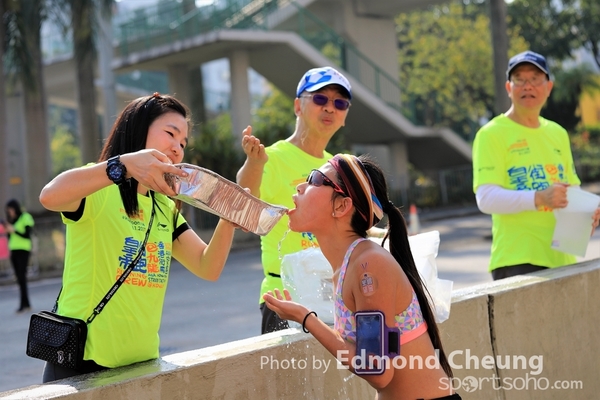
(528, 57)
(317, 78)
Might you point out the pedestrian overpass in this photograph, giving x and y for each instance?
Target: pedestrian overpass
(281, 39)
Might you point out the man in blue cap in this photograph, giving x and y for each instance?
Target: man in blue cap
(322, 101)
(522, 166)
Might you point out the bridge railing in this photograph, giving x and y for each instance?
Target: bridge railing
(161, 26)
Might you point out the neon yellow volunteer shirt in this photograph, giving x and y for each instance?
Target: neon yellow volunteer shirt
(16, 242)
(99, 247)
(287, 167)
(516, 157)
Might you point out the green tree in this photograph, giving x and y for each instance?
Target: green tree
(275, 119)
(445, 62)
(65, 151)
(81, 19)
(547, 25)
(589, 26)
(556, 28)
(23, 21)
(586, 152)
(569, 85)
(215, 148)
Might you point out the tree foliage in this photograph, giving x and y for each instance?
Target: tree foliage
(589, 26)
(65, 151)
(216, 148)
(275, 119)
(557, 28)
(445, 58)
(64, 141)
(586, 153)
(23, 21)
(545, 25)
(446, 70)
(569, 85)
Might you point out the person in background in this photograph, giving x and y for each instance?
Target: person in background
(322, 102)
(338, 203)
(107, 208)
(19, 226)
(522, 166)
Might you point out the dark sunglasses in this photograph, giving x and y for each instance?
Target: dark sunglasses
(317, 179)
(321, 100)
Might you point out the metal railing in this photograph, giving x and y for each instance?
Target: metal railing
(171, 22)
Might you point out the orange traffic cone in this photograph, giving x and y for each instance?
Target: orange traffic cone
(413, 227)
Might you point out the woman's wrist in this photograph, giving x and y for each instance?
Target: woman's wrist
(230, 225)
(306, 317)
(299, 314)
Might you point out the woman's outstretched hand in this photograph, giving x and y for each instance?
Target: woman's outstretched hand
(284, 306)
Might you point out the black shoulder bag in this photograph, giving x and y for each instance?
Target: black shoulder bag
(61, 340)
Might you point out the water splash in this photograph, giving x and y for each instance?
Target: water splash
(279, 244)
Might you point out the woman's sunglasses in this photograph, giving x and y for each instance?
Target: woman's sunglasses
(317, 178)
(321, 100)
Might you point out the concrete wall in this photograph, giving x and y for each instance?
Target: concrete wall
(544, 324)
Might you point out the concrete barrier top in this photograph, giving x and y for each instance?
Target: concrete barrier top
(549, 315)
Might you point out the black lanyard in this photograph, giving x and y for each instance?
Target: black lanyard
(123, 276)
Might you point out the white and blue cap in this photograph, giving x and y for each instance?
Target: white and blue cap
(317, 78)
(528, 57)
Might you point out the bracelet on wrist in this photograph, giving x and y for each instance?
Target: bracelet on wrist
(304, 321)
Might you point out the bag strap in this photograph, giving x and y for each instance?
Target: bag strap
(111, 292)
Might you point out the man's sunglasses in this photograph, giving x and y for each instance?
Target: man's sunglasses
(321, 100)
(317, 179)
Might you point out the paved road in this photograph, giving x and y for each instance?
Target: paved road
(200, 314)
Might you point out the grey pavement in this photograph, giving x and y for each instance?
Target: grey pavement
(198, 313)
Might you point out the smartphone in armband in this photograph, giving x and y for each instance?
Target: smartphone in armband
(376, 344)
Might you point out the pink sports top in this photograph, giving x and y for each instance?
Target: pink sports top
(410, 321)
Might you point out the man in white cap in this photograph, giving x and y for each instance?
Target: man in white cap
(322, 101)
(522, 166)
